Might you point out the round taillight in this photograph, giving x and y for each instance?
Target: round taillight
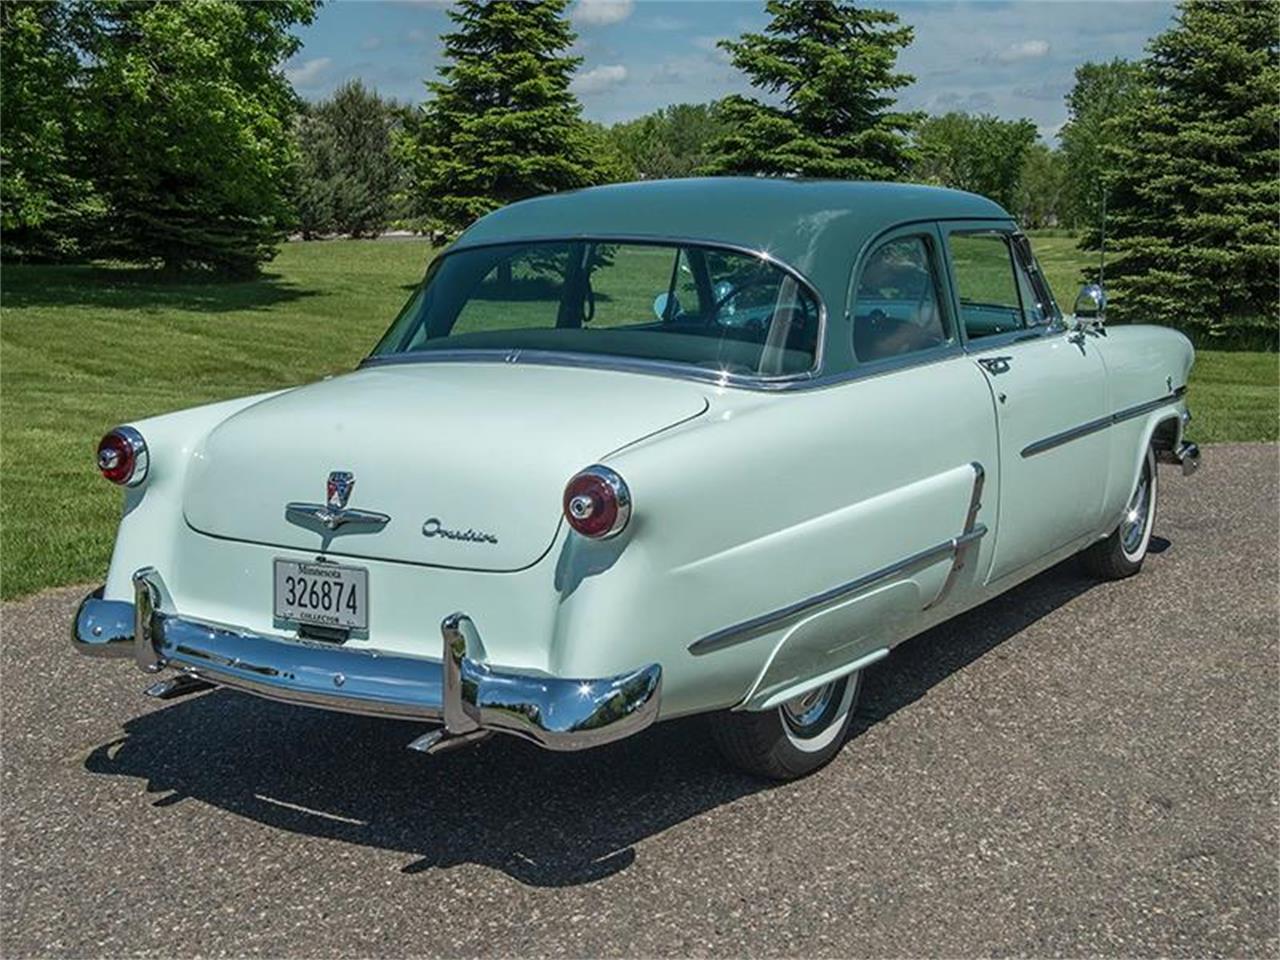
(597, 503)
(122, 456)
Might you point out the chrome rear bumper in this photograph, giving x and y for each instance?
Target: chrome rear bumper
(460, 690)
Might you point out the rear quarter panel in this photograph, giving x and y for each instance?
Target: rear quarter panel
(767, 500)
(1144, 363)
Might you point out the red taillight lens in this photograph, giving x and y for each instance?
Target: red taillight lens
(122, 456)
(597, 503)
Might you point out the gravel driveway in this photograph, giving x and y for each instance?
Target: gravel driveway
(1071, 769)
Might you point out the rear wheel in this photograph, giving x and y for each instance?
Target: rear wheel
(1121, 554)
(793, 739)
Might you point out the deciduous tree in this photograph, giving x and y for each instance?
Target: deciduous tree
(46, 196)
(189, 116)
(1040, 193)
(975, 152)
(671, 142)
(1102, 93)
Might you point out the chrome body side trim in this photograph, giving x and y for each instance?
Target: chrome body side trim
(970, 524)
(460, 690)
(748, 628)
(957, 547)
(1101, 423)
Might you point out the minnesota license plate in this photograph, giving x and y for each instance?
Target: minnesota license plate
(325, 594)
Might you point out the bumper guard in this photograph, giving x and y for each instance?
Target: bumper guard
(461, 691)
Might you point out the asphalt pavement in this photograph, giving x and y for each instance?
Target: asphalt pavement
(1072, 769)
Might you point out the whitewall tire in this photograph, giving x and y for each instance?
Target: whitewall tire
(793, 739)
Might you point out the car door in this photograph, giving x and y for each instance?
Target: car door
(1046, 384)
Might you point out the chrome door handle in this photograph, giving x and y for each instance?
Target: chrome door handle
(996, 365)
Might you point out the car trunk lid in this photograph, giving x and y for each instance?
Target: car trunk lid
(477, 453)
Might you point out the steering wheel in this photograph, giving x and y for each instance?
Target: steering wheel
(733, 291)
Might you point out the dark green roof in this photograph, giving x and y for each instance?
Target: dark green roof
(816, 226)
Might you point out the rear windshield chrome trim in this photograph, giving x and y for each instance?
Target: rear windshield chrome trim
(596, 361)
(632, 364)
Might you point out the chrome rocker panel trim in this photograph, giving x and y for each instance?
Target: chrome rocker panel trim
(461, 691)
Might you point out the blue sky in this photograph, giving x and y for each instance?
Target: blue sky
(1011, 59)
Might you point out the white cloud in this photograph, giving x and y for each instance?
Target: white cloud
(309, 72)
(711, 44)
(599, 79)
(600, 13)
(1025, 50)
(666, 24)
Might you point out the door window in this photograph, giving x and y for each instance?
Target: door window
(986, 283)
(898, 306)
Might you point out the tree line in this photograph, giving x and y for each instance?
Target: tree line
(166, 133)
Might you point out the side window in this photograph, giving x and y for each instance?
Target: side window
(898, 305)
(986, 283)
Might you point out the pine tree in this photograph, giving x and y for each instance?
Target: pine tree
(1193, 211)
(502, 123)
(831, 64)
(347, 174)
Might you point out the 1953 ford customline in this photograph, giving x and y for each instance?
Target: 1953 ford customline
(644, 451)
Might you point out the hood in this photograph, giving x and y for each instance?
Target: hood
(479, 453)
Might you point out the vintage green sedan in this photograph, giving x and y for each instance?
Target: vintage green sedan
(644, 451)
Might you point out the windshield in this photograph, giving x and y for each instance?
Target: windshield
(710, 308)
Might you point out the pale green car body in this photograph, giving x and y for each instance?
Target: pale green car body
(785, 530)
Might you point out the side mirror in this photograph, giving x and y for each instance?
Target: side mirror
(1091, 303)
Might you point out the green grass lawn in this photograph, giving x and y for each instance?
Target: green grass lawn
(86, 348)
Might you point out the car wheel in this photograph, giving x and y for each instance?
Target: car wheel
(1121, 554)
(793, 739)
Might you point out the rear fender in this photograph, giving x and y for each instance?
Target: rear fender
(152, 518)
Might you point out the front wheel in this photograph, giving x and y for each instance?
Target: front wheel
(1121, 554)
(793, 739)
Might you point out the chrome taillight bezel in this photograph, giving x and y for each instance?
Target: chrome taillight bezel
(139, 456)
(618, 490)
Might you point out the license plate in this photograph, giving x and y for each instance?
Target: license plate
(325, 594)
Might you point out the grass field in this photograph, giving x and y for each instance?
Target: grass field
(86, 348)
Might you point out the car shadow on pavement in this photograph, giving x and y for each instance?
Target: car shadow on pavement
(545, 819)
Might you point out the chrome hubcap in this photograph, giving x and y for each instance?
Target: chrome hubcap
(1134, 525)
(808, 709)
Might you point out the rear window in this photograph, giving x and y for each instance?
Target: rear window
(700, 306)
